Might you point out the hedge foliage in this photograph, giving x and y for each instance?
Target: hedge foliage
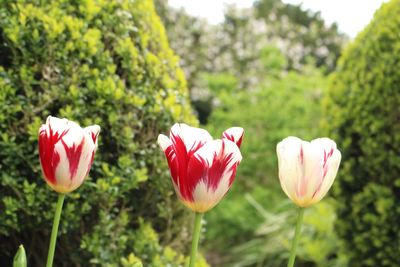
(363, 109)
(92, 61)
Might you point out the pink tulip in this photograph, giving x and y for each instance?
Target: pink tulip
(307, 169)
(202, 169)
(66, 153)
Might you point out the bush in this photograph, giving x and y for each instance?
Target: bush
(363, 108)
(92, 61)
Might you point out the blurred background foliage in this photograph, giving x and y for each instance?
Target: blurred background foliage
(364, 117)
(265, 69)
(237, 44)
(271, 69)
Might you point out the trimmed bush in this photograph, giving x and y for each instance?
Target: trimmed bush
(92, 61)
(363, 107)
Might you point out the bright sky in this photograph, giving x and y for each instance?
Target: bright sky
(351, 15)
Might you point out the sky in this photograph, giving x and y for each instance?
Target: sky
(350, 15)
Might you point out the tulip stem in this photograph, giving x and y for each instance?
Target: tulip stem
(296, 237)
(54, 231)
(195, 238)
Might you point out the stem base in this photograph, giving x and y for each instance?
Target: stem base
(296, 237)
(54, 231)
(195, 238)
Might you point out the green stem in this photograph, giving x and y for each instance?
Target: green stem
(296, 237)
(54, 231)
(195, 238)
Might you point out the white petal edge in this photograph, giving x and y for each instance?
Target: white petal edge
(333, 163)
(93, 130)
(191, 136)
(236, 132)
(164, 142)
(290, 169)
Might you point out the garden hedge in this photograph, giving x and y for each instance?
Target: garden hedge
(364, 116)
(95, 62)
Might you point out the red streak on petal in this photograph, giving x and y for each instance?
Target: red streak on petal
(73, 154)
(233, 169)
(172, 163)
(218, 167)
(94, 137)
(90, 164)
(320, 184)
(49, 158)
(326, 157)
(182, 160)
(211, 173)
(194, 175)
(301, 154)
(230, 137)
(325, 167)
(179, 165)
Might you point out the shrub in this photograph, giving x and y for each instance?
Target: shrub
(363, 108)
(92, 61)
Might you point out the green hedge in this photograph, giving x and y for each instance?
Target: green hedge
(92, 61)
(364, 118)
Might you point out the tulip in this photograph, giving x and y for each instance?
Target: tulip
(66, 154)
(306, 173)
(307, 169)
(202, 169)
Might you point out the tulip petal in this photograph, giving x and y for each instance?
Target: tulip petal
(66, 153)
(330, 158)
(234, 134)
(73, 151)
(307, 169)
(168, 147)
(211, 172)
(49, 135)
(55, 126)
(187, 139)
(93, 131)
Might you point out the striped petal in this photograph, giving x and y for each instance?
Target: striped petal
(187, 139)
(307, 169)
(49, 135)
(211, 172)
(66, 153)
(234, 134)
(168, 147)
(93, 131)
(329, 160)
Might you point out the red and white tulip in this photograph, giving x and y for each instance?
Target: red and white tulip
(307, 169)
(66, 153)
(202, 169)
